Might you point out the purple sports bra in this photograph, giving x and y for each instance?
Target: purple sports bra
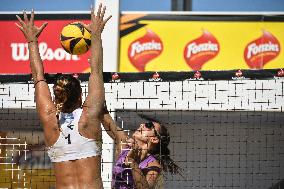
(122, 176)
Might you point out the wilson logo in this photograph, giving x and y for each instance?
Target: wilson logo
(20, 52)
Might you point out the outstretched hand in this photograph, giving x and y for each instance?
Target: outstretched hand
(97, 21)
(28, 28)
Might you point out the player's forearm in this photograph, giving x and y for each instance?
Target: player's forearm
(138, 177)
(110, 126)
(35, 61)
(96, 96)
(96, 61)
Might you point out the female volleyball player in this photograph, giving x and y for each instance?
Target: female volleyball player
(72, 131)
(141, 158)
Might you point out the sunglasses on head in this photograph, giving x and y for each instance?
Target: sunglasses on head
(150, 125)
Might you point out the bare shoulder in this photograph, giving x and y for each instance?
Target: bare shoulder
(154, 175)
(154, 170)
(154, 164)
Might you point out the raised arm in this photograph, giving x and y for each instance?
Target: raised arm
(115, 132)
(96, 96)
(42, 94)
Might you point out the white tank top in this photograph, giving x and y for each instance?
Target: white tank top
(71, 145)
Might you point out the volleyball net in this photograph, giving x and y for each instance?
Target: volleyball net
(224, 133)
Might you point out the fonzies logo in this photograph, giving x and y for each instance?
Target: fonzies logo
(262, 50)
(143, 50)
(197, 52)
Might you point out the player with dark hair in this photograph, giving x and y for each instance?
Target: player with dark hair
(72, 132)
(140, 159)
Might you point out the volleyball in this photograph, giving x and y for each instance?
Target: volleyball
(75, 38)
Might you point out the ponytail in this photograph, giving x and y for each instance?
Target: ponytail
(162, 153)
(58, 109)
(168, 165)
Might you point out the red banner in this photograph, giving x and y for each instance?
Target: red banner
(14, 55)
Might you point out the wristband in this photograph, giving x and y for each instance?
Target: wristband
(31, 41)
(39, 81)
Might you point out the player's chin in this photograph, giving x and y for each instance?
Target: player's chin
(136, 135)
(139, 139)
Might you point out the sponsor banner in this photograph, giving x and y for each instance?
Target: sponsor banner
(185, 43)
(14, 55)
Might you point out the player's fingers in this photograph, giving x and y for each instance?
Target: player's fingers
(99, 10)
(25, 16)
(41, 28)
(92, 11)
(32, 17)
(20, 27)
(20, 20)
(103, 12)
(105, 21)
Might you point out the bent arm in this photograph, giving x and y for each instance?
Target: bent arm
(142, 181)
(115, 132)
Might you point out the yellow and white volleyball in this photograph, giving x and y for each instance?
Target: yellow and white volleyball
(75, 38)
